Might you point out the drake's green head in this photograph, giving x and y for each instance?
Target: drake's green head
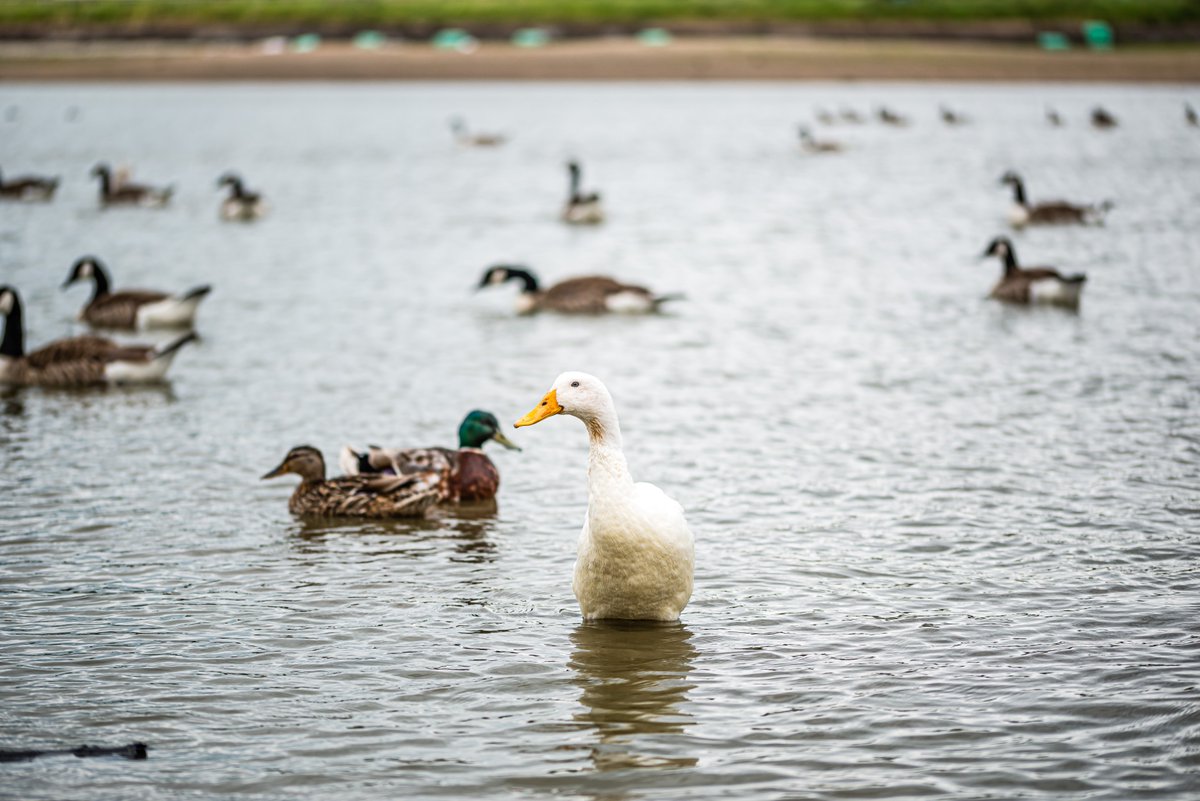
(478, 427)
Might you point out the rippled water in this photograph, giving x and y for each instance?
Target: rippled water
(944, 548)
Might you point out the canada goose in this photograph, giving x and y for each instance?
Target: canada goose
(1053, 118)
(825, 118)
(374, 496)
(28, 188)
(113, 193)
(952, 117)
(464, 137)
(586, 295)
(1190, 115)
(1033, 285)
(77, 361)
(1103, 119)
(466, 473)
(889, 117)
(811, 145)
(1056, 212)
(132, 308)
(581, 209)
(241, 205)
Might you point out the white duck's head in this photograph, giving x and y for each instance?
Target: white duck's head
(578, 394)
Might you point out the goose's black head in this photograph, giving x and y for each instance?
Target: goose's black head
(9, 300)
(1010, 178)
(13, 343)
(500, 273)
(1001, 247)
(101, 170)
(86, 268)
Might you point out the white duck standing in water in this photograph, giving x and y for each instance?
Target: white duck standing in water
(636, 552)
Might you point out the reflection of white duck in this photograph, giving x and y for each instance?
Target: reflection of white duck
(581, 208)
(636, 552)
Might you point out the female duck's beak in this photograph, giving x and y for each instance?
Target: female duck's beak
(505, 441)
(547, 408)
(278, 471)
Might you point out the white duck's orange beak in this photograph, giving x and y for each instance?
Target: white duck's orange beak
(547, 408)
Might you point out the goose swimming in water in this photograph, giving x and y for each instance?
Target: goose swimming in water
(1102, 119)
(113, 193)
(636, 554)
(581, 208)
(1055, 212)
(465, 137)
(593, 294)
(241, 205)
(28, 188)
(77, 361)
(812, 145)
(1032, 285)
(1189, 114)
(132, 308)
(1053, 118)
(952, 117)
(371, 496)
(466, 473)
(889, 117)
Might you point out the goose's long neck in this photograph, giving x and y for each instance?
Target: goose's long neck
(1019, 191)
(105, 183)
(1010, 261)
(13, 344)
(608, 472)
(99, 281)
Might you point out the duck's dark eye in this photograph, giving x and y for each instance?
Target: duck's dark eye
(574, 383)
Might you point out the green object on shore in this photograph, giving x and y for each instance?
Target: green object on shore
(306, 42)
(531, 37)
(369, 40)
(655, 37)
(1051, 40)
(1098, 34)
(454, 39)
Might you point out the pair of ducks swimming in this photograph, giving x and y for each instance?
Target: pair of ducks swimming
(241, 205)
(636, 554)
(93, 360)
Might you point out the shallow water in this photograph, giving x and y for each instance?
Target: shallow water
(945, 549)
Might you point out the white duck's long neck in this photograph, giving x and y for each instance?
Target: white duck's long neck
(608, 472)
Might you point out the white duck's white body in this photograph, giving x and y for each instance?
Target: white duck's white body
(636, 553)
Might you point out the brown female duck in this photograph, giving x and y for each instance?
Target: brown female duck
(374, 496)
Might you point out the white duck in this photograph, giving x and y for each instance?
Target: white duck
(636, 552)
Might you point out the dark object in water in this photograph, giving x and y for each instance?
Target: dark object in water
(131, 751)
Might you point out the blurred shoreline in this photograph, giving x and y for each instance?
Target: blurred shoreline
(608, 58)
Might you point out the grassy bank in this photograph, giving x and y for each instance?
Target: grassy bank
(399, 13)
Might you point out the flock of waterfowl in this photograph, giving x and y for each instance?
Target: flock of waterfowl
(635, 557)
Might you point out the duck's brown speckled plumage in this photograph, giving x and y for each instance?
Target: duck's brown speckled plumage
(464, 475)
(371, 496)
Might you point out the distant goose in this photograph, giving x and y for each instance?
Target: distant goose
(1033, 285)
(1103, 119)
(241, 205)
(889, 117)
(581, 208)
(811, 145)
(372, 496)
(113, 193)
(851, 116)
(466, 472)
(1053, 118)
(825, 118)
(77, 361)
(464, 137)
(132, 308)
(1189, 114)
(587, 295)
(952, 117)
(28, 188)
(1055, 212)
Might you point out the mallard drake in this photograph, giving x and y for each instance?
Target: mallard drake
(1054, 212)
(467, 474)
(132, 308)
(124, 193)
(1033, 285)
(952, 117)
(1102, 119)
(241, 205)
(581, 208)
(465, 137)
(812, 145)
(1053, 118)
(28, 188)
(636, 552)
(374, 496)
(77, 361)
(889, 117)
(593, 294)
